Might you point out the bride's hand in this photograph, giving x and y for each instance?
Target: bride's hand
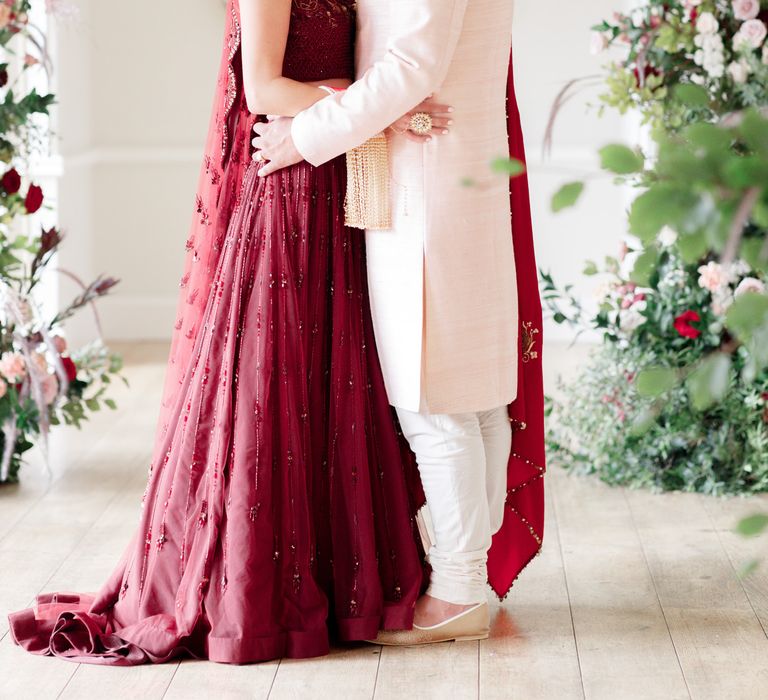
(441, 120)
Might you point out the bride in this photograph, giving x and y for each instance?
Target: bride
(281, 498)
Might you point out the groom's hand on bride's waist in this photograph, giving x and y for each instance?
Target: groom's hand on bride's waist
(274, 145)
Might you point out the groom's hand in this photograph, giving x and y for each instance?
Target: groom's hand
(274, 146)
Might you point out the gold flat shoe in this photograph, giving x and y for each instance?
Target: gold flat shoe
(470, 625)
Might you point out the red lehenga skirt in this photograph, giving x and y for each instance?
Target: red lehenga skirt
(280, 505)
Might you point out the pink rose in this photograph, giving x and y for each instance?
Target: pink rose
(751, 35)
(746, 9)
(712, 277)
(60, 344)
(5, 16)
(12, 367)
(3, 388)
(50, 386)
(750, 284)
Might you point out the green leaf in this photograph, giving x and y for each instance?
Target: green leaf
(621, 160)
(754, 131)
(590, 268)
(644, 422)
(749, 568)
(753, 250)
(692, 247)
(508, 166)
(645, 267)
(747, 315)
(656, 381)
(709, 382)
(111, 403)
(691, 95)
(567, 196)
(663, 204)
(753, 525)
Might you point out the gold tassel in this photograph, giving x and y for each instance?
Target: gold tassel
(367, 203)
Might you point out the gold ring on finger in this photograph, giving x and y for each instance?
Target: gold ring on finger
(421, 123)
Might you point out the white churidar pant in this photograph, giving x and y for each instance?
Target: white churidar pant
(463, 465)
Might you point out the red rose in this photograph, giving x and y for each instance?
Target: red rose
(34, 199)
(70, 367)
(3, 78)
(11, 181)
(683, 324)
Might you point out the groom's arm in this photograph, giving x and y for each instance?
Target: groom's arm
(424, 38)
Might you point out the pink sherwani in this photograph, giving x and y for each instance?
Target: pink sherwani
(443, 280)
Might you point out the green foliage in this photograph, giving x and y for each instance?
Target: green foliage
(602, 425)
(567, 196)
(45, 382)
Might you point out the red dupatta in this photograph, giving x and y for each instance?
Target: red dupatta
(520, 537)
(227, 154)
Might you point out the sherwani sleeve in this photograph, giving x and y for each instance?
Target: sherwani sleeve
(424, 34)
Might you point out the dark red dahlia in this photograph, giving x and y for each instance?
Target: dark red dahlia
(34, 199)
(11, 181)
(683, 324)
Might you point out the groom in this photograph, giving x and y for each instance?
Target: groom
(444, 286)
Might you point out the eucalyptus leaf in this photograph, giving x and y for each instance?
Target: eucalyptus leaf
(709, 382)
(567, 196)
(656, 381)
(691, 95)
(753, 525)
(621, 160)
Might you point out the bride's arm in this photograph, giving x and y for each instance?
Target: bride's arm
(264, 26)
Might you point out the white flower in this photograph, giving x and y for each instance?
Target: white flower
(739, 71)
(603, 291)
(737, 270)
(712, 277)
(638, 18)
(751, 35)
(707, 23)
(667, 237)
(750, 284)
(632, 318)
(746, 9)
(598, 43)
(721, 301)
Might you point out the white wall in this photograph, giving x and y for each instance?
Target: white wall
(135, 82)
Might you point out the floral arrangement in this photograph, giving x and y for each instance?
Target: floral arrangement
(42, 382)
(676, 397)
(719, 45)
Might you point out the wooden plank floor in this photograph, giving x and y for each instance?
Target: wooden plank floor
(635, 595)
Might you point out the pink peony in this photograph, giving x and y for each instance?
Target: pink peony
(12, 367)
(750, 284)
(712, 277)
(751, 35)
(746, 9)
